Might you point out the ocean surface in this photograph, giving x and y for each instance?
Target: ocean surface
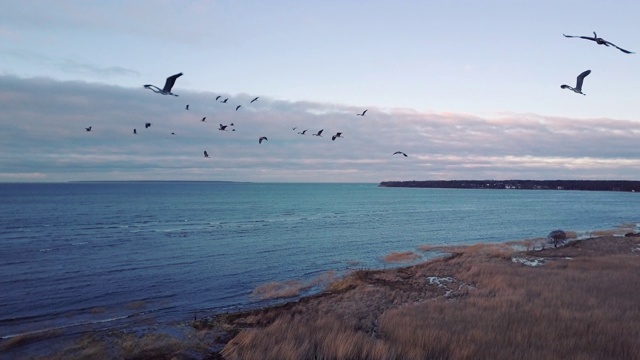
(80, 256)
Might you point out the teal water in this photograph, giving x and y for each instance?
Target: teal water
(104, 254)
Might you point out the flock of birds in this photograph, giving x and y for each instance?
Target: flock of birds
(171, 81)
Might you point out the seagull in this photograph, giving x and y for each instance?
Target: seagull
(600, 41)
(319, 133)
(364, 112)
(224, 101)
(222, 127)
(171, 80)
(187, 107)
(578, 88)
(400, 152)
(294, 128)
(302, 132)
(254, 99)
(206, 154)
(147, 125)
(262, 138)
(88, 129)
(238, 107)
(135, 132)
(337, 135)
(204, 119)
(217, 97)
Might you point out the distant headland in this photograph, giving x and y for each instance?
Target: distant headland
(587, 185)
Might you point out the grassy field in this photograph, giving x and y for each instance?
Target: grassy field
(579, 301)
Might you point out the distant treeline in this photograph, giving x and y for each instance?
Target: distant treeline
(590, 185)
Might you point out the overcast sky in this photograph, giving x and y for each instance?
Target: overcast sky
(468, 89)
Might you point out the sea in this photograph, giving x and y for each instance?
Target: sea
(76, 257)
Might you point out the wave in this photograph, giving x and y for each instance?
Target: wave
(61, 327)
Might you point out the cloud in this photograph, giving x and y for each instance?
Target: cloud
(43, 139)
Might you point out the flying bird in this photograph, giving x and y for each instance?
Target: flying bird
(204, 119)
(171, 80)
(147, 125)
(337, 135)
(224, 101)
(294, 128)
(222, 127)
(302, 132)
(319, 133)
(400, 152)
(88, 129)
(231, 124)
(599, 41)
(173, 133)
(262, 138)
(187, 107)
(206, 154)
(238, 107)
(135, 132)
(364, 112)
(578, 88)
(254, 99)
(217, 97)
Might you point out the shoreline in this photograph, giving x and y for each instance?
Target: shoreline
(576, 185)
(362, 306)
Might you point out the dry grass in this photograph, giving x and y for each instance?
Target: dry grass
(291, 288)
(474, 304)
(396, 257)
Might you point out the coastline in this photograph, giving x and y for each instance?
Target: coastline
(500, 300)
(578, 185)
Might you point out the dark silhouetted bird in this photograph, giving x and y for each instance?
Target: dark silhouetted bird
(254, 99)
(238, 107)
(337, 135)
(578, 88)
(217, 97)
(204, 119)
(224, 101)
(364, 112)
(294, 128)
(400, 152)
(135, 132)
(302, 132)
(88, 129)
(166, 90)
(222, 127)
(600, 41)
(187, 107)
(173, 133)
(319, 133)
(206, 154)
(262, 138)
(147, 125)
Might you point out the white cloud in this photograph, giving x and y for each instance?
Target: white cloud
(43, 139)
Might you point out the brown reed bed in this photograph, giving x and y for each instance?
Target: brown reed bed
(399, 257)
(474, 303)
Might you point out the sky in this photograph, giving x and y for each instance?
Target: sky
(467, 89)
